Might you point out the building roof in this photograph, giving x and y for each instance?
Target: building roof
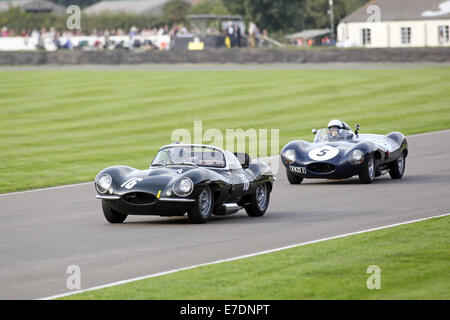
(33, 6)
(400, 10)
(213, 17)
(128, 6)
(309, 34)
(131, 6)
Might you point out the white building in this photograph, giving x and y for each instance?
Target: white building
(397, 23)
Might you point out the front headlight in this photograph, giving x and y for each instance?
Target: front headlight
(290, 156)
(183, 187)
(103, 183)
(356, 157)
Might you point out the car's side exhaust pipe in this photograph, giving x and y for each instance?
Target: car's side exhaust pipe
(227, 208)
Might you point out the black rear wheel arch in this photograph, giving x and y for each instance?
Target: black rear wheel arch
(377, 156)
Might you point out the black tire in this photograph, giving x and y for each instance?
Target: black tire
(203, 207)
(259, 201)
(397, 169)
(367, 174)
(293, 178)
(111, 215)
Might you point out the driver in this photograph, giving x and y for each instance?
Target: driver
(333, 128)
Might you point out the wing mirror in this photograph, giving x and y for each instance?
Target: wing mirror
(314, 131)
(357, 129)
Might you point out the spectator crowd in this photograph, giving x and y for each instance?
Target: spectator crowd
(162, 38)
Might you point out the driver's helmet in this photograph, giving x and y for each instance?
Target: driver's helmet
(334, 126)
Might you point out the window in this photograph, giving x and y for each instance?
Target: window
(366, 37)
(443, 34)
(202, 156)
(406, 35)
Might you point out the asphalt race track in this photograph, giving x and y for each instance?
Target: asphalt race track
(42, 232)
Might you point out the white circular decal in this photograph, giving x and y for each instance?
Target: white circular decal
(323, 153)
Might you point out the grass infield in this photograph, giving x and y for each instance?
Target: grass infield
(414, 261)
(62, 127)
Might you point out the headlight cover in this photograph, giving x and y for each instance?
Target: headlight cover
(183, 187)
(356, 157)
(103, 183)
(290, 156)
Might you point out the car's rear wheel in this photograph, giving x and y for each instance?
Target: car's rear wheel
(367, 174)
(259, 201)
(111, 215)
(398, 168)
(293, 178)
(201, 211)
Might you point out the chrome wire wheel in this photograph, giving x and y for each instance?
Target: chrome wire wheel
(205, 201)
(261, 196)
(401, 164)
(371, 168)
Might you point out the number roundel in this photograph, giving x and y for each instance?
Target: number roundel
(323, 153)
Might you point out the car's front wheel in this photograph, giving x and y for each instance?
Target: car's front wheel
(201, 211)
(367, 174)
(293, 178)
(259, 201)
(398, 168)
(111, 215)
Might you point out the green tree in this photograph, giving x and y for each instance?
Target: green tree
(17, 20)
(316, 12)
(279, 15)
(235, 6)
(273, 15)
(175, 11)
(291, 15)
(209, 7)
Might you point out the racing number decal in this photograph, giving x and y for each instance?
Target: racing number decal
(323, 153)
(130, 183)
(244, 181)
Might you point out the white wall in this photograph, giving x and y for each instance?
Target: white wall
(388, 33)
(18, 43)
(30, 43)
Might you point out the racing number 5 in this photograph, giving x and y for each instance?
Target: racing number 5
(322, 153)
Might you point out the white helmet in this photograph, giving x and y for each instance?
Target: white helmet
(336, 123)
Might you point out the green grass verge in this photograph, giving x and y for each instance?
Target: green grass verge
(414, 261)
(60, 127)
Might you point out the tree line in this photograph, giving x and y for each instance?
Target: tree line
(276, 16)
(292, 15)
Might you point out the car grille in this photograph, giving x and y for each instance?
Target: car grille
(139, 198)
(321, 167)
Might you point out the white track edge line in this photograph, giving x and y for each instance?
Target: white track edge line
(45, 189)
(112, 284)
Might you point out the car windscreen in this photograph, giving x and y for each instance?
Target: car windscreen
(330, 135)
(190, 155)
